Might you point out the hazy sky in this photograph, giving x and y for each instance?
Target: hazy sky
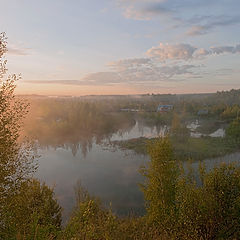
(80, 47)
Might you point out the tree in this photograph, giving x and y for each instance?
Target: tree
(233, 131)
(160, 185)
(211, 208)
(16, 163)
(32, 212)
(182, 206)
(90, 220)
(178, 130)
(25, 204)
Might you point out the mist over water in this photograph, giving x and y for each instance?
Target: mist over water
(111, 175)
(76, 141)
(106, 171)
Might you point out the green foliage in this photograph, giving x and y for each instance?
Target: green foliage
(89, 219)
(182, 209)
(56, 122)
(231, 112)
(194, 148)
(179, 204)
(160, 186)
(178, 130)
(210, 210)
(203, 148)
(28, 209)
(16, 159)
(233, 131)
(31, 213)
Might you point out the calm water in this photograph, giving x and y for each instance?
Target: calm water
(109, 173)
(106, 172)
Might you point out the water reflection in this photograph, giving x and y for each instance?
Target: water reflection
(83, 141)
(217, 130)
(140, 130)
(213, 162)
(112, 176)
(107, 172)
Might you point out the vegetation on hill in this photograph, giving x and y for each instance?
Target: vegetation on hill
(178, 206)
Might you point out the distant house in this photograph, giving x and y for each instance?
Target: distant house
(202, 112)
(164, 108)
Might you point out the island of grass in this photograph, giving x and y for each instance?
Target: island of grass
(192, 148)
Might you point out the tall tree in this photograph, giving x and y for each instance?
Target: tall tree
(161, 185)
(16, 159)
(27, 208)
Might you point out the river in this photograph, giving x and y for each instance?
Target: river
(107, 172)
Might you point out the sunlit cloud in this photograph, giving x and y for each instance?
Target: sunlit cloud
(123, 65)
(148, 70)
(165, 52)
(165, 63)
(187, 52)
(130, 74)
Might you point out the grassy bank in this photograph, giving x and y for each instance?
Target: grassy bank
(193, 148)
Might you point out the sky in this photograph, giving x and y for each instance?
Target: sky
(85, 47)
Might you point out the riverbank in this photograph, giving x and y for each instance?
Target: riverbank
(193, 148)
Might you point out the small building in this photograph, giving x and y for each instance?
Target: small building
(164, 108)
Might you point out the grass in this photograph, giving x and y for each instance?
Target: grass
(192, 148)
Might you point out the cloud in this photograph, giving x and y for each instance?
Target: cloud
(145, 13)
(101, 78)
(225, 49)
(143, 9)
(165, 63)
(201, 52)
(95, 79)
(197, 30)
(147, 69)
(205, 24)
(186, 14)
(187, 52)
(122, 65)
(129, 71)
(165, 52)
(63, 82)
(18, 51)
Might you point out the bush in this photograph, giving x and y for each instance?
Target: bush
(31, 213)
(182, 209)
(89, 219)
(233, 131)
